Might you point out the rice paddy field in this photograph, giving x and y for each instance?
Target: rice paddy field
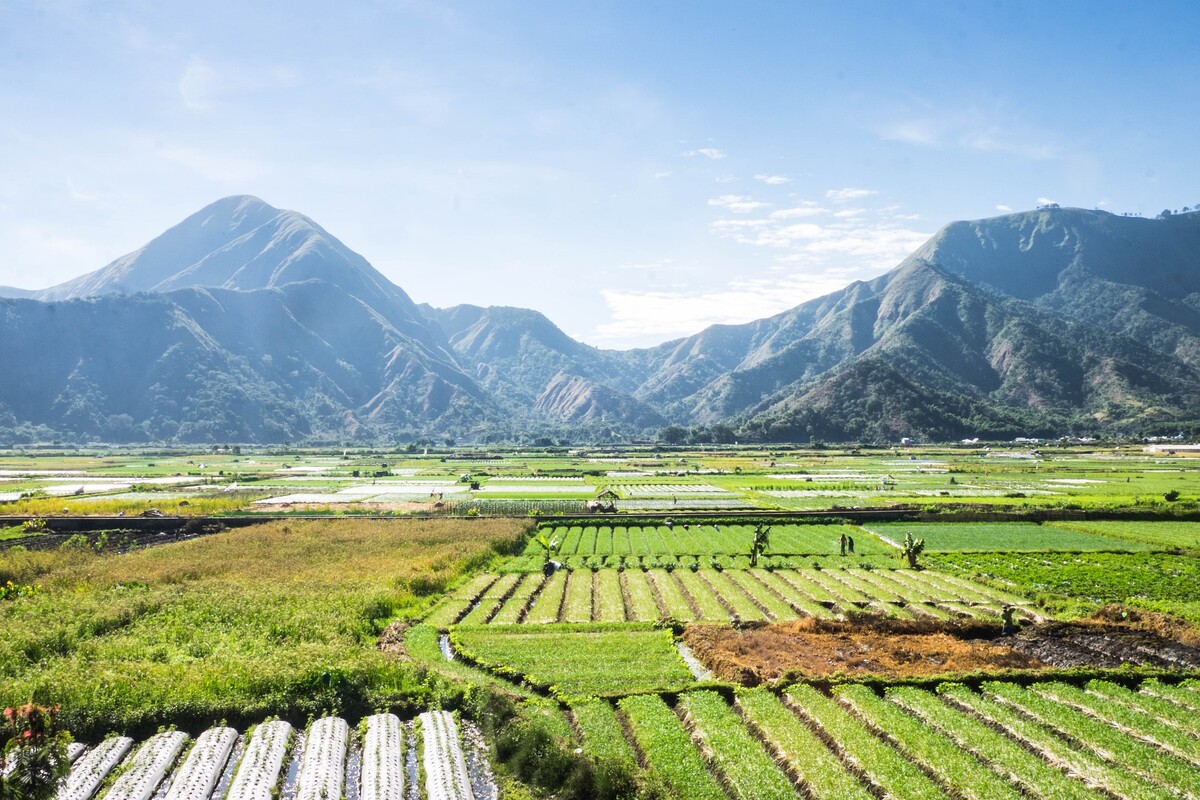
(456, 624)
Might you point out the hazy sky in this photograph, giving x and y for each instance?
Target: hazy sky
(634, 170)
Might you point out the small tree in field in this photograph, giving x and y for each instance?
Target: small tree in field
(912, 549)
(33, 753)
(760, 543)
(549, 548)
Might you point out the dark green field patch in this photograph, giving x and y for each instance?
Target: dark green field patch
(984, 537)
(1157, 581)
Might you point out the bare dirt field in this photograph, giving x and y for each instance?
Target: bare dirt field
(812, 648)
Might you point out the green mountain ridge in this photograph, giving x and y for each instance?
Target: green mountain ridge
(247, 323)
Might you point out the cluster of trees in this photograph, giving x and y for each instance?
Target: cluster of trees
(700, 434)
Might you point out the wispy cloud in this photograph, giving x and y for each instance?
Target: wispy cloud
(805, 209)
(846, 195)
(1046, 201)
(666, 173)
(773, 180)
(737, 203)
(197, 85)
(636, 316)
(998, 131)
(1003, 209)
(77, 194)
(708, 152)
(860, 239)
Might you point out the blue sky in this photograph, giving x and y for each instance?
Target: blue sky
(636, 171)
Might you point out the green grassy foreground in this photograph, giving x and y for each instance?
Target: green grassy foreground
(281, 618)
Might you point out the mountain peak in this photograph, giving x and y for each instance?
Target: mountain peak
(238, 242)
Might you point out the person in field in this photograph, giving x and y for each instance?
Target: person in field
(842, 544)
(1006, 616)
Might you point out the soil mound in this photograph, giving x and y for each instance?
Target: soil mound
(1112, 637)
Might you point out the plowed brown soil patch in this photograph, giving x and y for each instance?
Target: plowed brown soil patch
(814, 649)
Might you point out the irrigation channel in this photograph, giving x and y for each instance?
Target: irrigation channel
(435, 756)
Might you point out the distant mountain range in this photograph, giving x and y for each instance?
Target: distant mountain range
(245, 323)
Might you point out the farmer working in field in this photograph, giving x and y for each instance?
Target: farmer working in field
(842, 543)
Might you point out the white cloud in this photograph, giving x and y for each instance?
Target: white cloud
(737, 203)
(848, 194)
(666, 173)
(1046, 201)
(634, 316)
(773, 180)
(807, 208)
(855, 239)
(1003, 209)
(709, 152)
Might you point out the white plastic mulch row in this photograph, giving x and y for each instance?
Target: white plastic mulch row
(525, 478)
(323, 770)
(156, 770)
(258, 773)
(148, 766)
(201, 770)
(383, 759)
(667, 489)
(445, 766)
(535, 488)
(91, 769)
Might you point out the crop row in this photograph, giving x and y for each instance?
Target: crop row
(445, 766)
(722, 596)
(159, 768)
(637, 490)
(695, 539)
(1047, 741)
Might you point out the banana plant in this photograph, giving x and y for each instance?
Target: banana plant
(550, 547)
(760, 543)
(912, 549)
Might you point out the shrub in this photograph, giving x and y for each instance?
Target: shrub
(33, 753)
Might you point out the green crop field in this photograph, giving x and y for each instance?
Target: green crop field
(609, 595)
(584, 683)
(1002, 537)
(577, 660)
(1159, 535)
(699, 539)
(1156, 581)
